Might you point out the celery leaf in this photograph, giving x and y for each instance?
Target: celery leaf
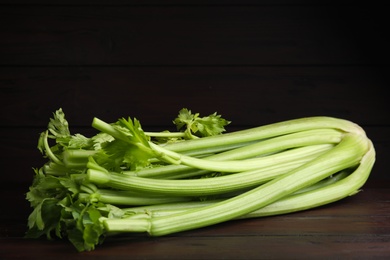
(196, 126)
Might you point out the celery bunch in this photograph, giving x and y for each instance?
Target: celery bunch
(125, 179)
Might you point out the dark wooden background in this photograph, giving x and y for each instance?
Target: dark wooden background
(254, 62)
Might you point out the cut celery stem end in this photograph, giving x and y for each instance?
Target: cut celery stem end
(138, 223)
(77, 158)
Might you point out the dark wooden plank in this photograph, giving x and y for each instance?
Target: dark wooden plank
(166, 2)
(188, 35)
(258, 247)
(248, 96)
(302, 224)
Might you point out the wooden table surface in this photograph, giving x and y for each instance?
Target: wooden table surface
(357, 227)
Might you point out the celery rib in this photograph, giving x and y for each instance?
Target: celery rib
(333, 189)
(310, 137)
(343, 188)
(268, 131)
(274, 166)
(128, 198)
(347, 153)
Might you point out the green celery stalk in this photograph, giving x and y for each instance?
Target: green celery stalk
(127, 198)
(341, 189)
(334, 188)
(271, 167)
(263, 132)
(348, 153)
(244, 136)
(229, 166)
(259, 148)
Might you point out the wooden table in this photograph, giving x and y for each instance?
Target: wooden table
(356, 227)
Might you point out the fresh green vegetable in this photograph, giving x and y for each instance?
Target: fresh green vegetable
(125, 179)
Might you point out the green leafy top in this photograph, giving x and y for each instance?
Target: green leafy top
(196, 126)
(130, 151)
(58, 126)
(58, 130)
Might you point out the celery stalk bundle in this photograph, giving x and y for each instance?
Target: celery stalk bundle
(125, 179)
